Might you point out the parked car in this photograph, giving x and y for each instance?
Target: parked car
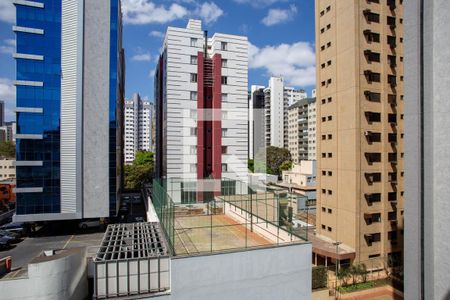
(11, 236)
(89, 224)
(18, 228)
(4, 243)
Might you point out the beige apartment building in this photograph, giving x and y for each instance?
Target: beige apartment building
(360, 126)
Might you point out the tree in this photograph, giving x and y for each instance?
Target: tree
(275, 158)
(285, 166)
(7, 150)
(251, 165)
(343, 274)
(140, 172)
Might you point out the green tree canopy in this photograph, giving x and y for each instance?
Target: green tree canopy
(140, 172)
(7, 150)
(275, 158)
(285, 166)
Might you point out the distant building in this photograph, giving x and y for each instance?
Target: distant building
(138, 127)
(2, 113)
(277, 100)
(302, 130)
(256, 132)
(8, 132)
(7, 169)
(301, 179)
(70, 83)
(201, 100)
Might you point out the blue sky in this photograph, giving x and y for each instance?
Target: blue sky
(281, 34)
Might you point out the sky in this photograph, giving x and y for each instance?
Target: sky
(280, 33)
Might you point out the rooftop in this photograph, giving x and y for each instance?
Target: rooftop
(228, 215)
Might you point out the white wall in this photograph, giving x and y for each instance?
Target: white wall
(264, 274)
(62, 277)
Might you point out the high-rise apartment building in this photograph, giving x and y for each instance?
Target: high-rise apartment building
(427, 165)
(69, 82)
(256, 131)
(2, 113)
(278, 98)
(138, 122)
(201, 102)
(360, 126)
(302, 130)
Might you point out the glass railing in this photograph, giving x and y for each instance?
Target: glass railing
(204, 216)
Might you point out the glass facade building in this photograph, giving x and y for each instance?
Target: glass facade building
(40, 30)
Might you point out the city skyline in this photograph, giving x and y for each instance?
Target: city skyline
(267, 24)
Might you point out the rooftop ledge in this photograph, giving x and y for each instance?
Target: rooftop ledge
(214, 216)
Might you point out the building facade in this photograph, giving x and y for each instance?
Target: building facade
(7, 169)
(302, 130)
(278, 98)
(69, 81)
(360, 126)
(138, 123)
(8, 132)
(256, 131)
(426, 146)
(201, 102)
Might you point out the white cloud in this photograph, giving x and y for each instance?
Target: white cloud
(8, 47)
(259, 3)
(294, 62)
(140, 12)
(209, 12)
(276, 16)
(158, 34)
(8, 94)
(7, 11)
(142, 57)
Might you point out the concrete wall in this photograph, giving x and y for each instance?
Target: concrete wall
(427, 238)
(263, 274)
(96, 109)
(62, 276)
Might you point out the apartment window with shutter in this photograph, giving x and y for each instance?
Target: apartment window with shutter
(193, 42)
(224, 97)
(224, 63)
(224, 46)
(193, 60)
(224, 80)
(193, 77)
(193, 95)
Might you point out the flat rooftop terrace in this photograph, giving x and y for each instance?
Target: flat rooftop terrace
(233, 218)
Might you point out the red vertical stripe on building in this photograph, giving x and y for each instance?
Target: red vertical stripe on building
(200, 123)
(217, 123)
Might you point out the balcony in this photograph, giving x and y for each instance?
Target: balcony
(392, 100)
(372, 136)
(372, 157)
(371, 198)
(372, 117)
(372, 56)
(392, 80)
(392, 158)
(392, 138)
(372, 76)
(371, 96)
(392, 42)
(391, 22)
(392, 178)
(372, 177)
(391, 4)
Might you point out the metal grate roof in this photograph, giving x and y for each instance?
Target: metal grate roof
(132, 241)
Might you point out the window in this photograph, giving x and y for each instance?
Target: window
(374, 255)
(224, 132)
(329, 229)
(324, 173)
(193, 168)
(194, 131)
(330, 192)
(324, 191)
(193, 42)
(193, 77)
(224, 168)
(328, 8)
(224, 97)
(224, 63)
(323, 226)
(371, 17)
(224, 46)
(224, 149)
(193, 95)
(330, 211)
(323, 209)
(330, 173)
(193, 60)
(330, 118)
(224, 80)
(328, 44)
(193, 114)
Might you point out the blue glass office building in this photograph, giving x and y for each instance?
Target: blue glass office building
(69, 80)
